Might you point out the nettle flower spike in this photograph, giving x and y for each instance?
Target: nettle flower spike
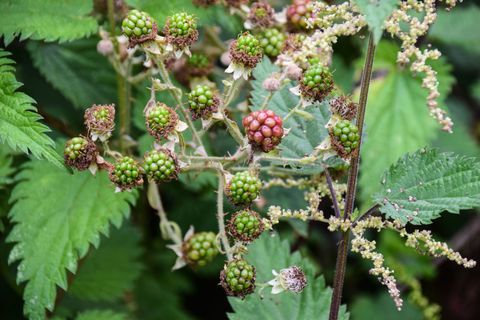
(80, 153)
(139, 27)
(264, 130)
(181, 32)
(261, 15)
(161, 165)
(316, 83)
(245, 54)
(126, 174)
(272, 41)
(243, 188)
(290, 279)
(245, 225)
(238, 278)
(100, 121)
(161, 120)
(344, 138)
(203, 102)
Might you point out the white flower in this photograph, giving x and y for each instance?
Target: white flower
(292, 279)
(177, 248)
(238, 71)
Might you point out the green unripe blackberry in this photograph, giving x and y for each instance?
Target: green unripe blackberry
(316, 83)
(272, 41)
(160, 165)
(243, 188)
(100, 121)
(79, 153)
(139, 27)
(245, 225)
(198, 65)
(238, 278)
(200, 249)
(345, 137)
(181, 30)
(126, 174)
(202, 102)
(160, 120)
(246, 50)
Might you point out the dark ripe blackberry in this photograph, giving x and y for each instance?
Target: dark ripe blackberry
(345, 138)
(160, 165)
(200, 249)
(139, 27)
(181, 30)
(126, 174)
(79, 153)
(243, 188)
(160, 120)
(238, 278)
(272, 41)
(245, 225)
(316, 83)
(246, 51)
(264, 129)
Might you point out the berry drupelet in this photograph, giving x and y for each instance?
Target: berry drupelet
(245, 225)
(161, 120)
(272, 41)
(238, 278)
(243, 188)
(160, 165)
(264, 129)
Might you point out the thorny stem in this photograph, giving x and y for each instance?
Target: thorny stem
(221, 216)
(123, 89)
(341, 264)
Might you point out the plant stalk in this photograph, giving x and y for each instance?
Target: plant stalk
(221, 218)
(342, 252)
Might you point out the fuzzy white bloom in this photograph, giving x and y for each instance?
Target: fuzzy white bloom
(238, 71)
(271, 84)
(290, 279)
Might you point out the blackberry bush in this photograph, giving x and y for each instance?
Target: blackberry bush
(160, 120)
(126, 174)
(264, 130)
(243, 188)
(245, 225)
(160, 165)
(202, 102)
(200, 249)
(238, 278)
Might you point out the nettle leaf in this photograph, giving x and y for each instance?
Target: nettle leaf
(111, 269)
(101, 315)
(6, 169)
(270, 253)
(49, 20)
(465, 20)
(426, 183)
(57, 216)
(397, 118)
(76, 69)
(307, 131)
(19, 122)
(376, 12)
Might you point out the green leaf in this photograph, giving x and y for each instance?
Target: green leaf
(424, 184)
(76, 69)
(397, 118)
(376, 12)
(57, 216)
(111, 269)
(19, 122)
(369, 308)
(270, 253)
(457, 27)
(48, 20)
(101, 315)
(6, 169)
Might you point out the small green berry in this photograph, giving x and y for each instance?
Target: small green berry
(245, 225)
(200, 249)
(160, 165)
(202, 102)
(317, 82)
(139, 27)
(243, 188)
(79, 153)
(126, 174)
(345, 137)
(272, 41)
(238, 278)
(181, 30)
(161, 120)
(246, 50)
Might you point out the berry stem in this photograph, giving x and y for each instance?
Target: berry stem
(155, 202)
(333, 193)
(221, 216)
(341, 264)
(232, 125)
(293, 110)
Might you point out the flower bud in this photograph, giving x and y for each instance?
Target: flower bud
(105, 47)
(271, 84)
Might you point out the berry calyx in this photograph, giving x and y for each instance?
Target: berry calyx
(200, 249)
(272, 41)
(202, 102)
(261, 15)
(243, 188)
(344, 136)
(264, 129)
(139, 27)
(198, 65)
(161, 120)
(100, 121)
(298, 14)
(79, 153)
(246, 51)
(245, 225)
(238, 278)
(316, 83)
(126, 174)
(343, 107)
(160, 165)
(181, 30)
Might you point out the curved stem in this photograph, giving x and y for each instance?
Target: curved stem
(341, 264)
(221, 216)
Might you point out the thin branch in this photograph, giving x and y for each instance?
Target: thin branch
(332, 192)
(221, 216)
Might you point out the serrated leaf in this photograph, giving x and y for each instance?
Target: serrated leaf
(6, 169)
(101, 315)
(376, 12)
(397, 118)
(76, 69)
(270, 253)
(57, 217)
(19, 122)
(305, 133)
(49, 20)
(426, 183)
(111, 269)
(465, 21)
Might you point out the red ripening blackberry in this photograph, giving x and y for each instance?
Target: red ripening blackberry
(264, 129)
